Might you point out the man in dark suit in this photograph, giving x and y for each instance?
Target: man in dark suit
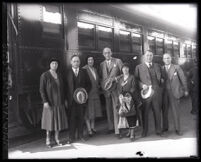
(175, 87)
(149, 73)
(76, 78)
(110, 68)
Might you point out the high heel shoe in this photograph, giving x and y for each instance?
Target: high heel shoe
(48, 143)
(132, 135)
(93, 130)
(58, 143)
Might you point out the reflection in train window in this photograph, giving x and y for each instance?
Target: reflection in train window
(125, 41)
(105, 37)
(86, 35)
(137, 43)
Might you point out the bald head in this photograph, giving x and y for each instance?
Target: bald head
(167, 58)
(107, 53)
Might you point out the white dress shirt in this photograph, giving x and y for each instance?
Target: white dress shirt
(76, 71)
(167, 67)
(148, 64)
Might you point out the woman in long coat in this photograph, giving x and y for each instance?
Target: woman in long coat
(126, 83)
(54, 116)
(93, 109)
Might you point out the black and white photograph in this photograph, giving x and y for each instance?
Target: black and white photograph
(100, 80)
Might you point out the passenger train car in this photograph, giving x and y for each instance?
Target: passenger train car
(36, 32)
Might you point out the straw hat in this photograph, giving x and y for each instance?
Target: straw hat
(148, 92)
(108, 84)
(80, 95)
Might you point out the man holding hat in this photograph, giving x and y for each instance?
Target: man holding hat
(79, 85)
(149, 77)
(110, 68)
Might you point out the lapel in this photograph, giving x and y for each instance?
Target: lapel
(146, 70)
(90, 73)
(105, 68)
(111, 65)
(171, 71)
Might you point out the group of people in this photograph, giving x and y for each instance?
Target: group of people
(129, 97)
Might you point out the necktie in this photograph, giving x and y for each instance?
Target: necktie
(76, 72)
(150, 65)
(166, 68)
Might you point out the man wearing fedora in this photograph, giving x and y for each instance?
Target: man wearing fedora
(175, 87)
(148, 74)
(79, 85)
(110, 68)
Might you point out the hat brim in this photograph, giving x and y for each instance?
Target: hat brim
(77, 95)
(108, 85)
(149, 93)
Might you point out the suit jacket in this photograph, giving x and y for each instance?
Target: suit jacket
(83, 82)
(175, 80)
(114, 70)
(94, 92)
(143, 76)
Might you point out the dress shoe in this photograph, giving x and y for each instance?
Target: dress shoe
(109, 132)
(93, 130)
(179, 133)
(144, 134)
(165, 130)
(119, 136)
(83, 139)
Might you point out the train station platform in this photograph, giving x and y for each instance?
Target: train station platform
(103, 145)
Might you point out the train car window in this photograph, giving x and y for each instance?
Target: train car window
(86, 35)
(176, 47)
(169, 46)
(194, 54)
(125, 41)
(52, 20)
(189, 51)
(105, 37)
(151, 42)
(159, 46)
(137, 43)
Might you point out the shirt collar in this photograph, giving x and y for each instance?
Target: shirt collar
(148, 64)
(75, 69)
(167, 66)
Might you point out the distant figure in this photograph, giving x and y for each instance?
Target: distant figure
(148, 75)
(175, 88)
(79, 86)
(129, 101)
(54, 116)
(194, 88)
(94, 105)
(110, 68)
